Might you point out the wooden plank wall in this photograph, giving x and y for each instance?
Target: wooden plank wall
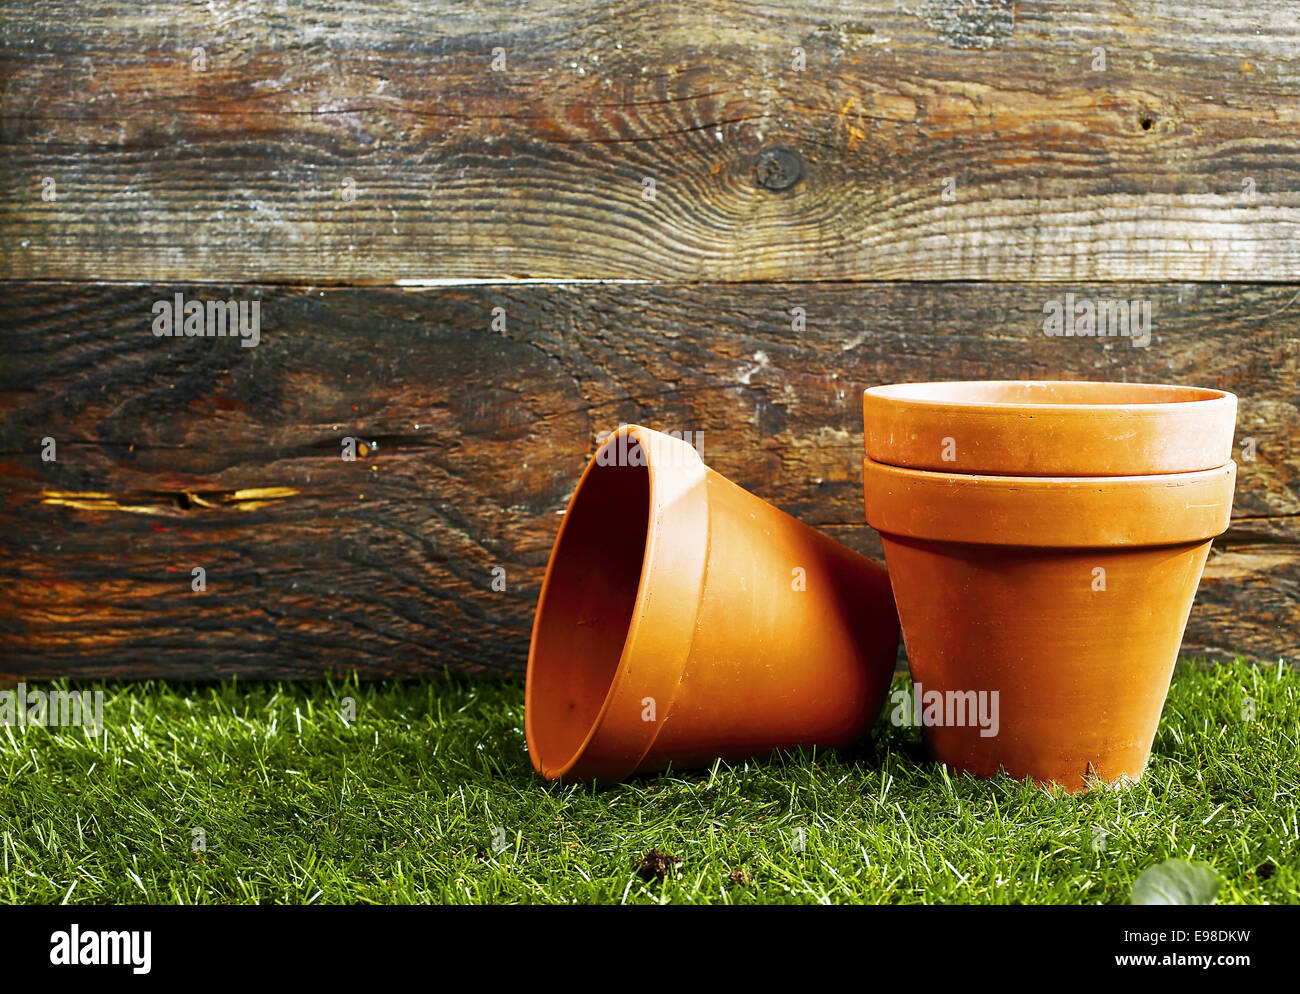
(478, 235)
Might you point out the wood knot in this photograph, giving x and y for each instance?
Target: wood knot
(778, 169)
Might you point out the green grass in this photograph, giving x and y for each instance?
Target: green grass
(404, 804)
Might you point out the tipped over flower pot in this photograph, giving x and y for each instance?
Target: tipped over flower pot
(683, 619)
(1049, 427)
(1053, 606)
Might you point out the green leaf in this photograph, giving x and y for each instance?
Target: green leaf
(1176, 881)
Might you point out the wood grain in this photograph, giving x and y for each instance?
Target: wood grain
(1180, 160)
(175, 453)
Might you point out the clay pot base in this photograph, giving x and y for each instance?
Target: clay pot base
(1080, 673)
(1066, 598)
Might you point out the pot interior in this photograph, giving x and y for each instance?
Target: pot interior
(1044, 392)
(587, 605)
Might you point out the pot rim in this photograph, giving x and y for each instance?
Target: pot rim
(1049, 512)
(904, 394)
(661, 625)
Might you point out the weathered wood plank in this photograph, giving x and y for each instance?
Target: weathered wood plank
(369, 142)
(176, 453)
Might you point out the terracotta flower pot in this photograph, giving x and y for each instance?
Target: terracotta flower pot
(1049, 428)
(682, 619)
(1065, 598)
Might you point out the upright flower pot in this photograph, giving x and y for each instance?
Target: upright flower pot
(683, 619)
(1054, 606)
(1049, 427)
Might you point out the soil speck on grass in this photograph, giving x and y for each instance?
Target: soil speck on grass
(1265, 871)
(656, 865)
(740, 877)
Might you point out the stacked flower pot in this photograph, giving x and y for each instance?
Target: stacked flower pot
(1044, 542)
